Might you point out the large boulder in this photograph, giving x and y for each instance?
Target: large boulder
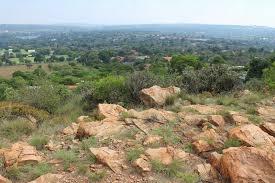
(49, 178)
(104, 128)
(252, 135)
(156, 96)
(21, 153)
(248, 164)
(216, 120)
(110, 110)
(113, 159)
(4, 180)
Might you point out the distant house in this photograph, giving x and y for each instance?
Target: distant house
(118, 58)
(31, 51)
(142, 57)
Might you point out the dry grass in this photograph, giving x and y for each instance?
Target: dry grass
(7, 71)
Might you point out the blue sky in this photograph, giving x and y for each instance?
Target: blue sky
(237, 12)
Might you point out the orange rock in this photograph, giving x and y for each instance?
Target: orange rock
(143, 164)
(49, 178)
(248, 164)
(104, 128)
(113, 159)
(156, 96)
(215, 159)
(4, 180)
(252, 135)
(71, 130)
(216, 120)
(204, 109)
(110, 110)
(207, 173)
(269, 128)
(21, 153)
(151, 139)
(160, 154)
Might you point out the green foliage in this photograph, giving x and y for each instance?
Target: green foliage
(214, 79)
(9, 109)
(255, 84)
(188, 177)
(67, 156)
(38, 141)
(86, 144)
(45, 96)
(255, 119)
(15, 129)
(166, 131)
(269, 76)
(138, 81)
(111, 89)
(232, 143)
(97, 176)
(181, 62)
(134, 153)
(256, 67)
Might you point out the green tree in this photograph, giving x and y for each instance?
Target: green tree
(256, 67)
(269, 76)
(181, 62)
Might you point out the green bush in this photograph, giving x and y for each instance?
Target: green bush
(15, 129)
(39, 141)
(46, 96)
(214, 79)
(111, 89)
(269, 76)
(138, 81)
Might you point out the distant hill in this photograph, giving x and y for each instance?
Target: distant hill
(200, 30)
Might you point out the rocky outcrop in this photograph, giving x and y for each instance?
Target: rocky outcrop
(49, 178)
(207, 141)
(113, 159)
(71, 130)
(104, 128)
(238, 119)
(4, 180)
(152, 139)
(204, 109)
(248, 164)
(207, 173)
(143, 164)
(216, 120)
(21, 153)
(166, 155)
(252, 135)
(269, 128)
(110, 110)
(156, 96)
(267, 113)
(149, 119)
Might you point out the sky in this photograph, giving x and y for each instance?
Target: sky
(120, 12)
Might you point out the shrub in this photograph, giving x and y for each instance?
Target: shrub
(255, 85)
(232, 143)
(170, 170)
(269, 76)
(134, 153)
(67, 157)
(15, 129)
(138, 81)
(167, 133)
(111, 89)
(214, 79)
(86, 144)
(39, 141)
(45, 96)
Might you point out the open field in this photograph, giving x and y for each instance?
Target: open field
(7, 71)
